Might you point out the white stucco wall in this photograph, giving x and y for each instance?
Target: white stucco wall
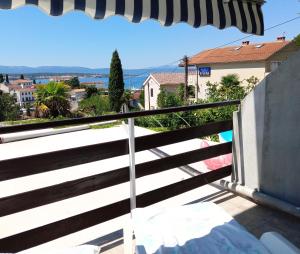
(151, 84)
(266, 135)
(243, 70)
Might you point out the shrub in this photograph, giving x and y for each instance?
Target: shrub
(95, 105)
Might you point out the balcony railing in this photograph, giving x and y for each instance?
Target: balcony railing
(30, 165)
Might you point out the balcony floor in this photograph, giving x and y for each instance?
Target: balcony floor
(255, 218)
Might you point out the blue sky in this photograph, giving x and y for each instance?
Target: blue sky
(31, 38)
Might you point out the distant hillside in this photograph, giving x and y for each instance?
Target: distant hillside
(65, 69)
(47, 69)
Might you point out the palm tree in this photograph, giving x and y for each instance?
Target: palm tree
(51, 100)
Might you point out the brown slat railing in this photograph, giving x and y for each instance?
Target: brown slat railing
(39, 197)
(82, 221)
(34, 164)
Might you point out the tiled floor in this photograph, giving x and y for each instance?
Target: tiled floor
(255, 218)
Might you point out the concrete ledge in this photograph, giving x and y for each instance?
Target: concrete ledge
(261, 198)
(17, 136)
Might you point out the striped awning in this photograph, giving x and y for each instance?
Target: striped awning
(246, 15)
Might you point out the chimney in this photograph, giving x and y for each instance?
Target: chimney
(281, 38)
(245, 43)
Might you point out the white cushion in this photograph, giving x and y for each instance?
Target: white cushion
(277, 244)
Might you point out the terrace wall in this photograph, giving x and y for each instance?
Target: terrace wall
(267, 135)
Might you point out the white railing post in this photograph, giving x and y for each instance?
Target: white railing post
(128, 232)
(132, 163)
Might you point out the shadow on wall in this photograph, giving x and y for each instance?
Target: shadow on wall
(267, 136)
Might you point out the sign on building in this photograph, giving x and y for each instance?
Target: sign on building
(204, 71)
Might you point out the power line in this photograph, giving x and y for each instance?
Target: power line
(251, 35)
(220, 46)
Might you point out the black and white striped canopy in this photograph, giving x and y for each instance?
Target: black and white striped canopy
(246, 15)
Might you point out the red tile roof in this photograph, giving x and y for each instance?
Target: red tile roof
(20, 81)
(242, 53)
(19, 88)
(168, 78)
(136, 95)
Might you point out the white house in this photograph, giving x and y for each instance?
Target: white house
(245, 60)
(169, 81)
(23, 90)
(60, 78)
(23, 95)
(76, 95)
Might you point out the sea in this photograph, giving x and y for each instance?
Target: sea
(131, 82)
(133, 79)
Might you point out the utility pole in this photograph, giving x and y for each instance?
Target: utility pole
(185, 59)
(197, 83)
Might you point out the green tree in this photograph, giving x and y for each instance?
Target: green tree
(27, 107)
(22, 76)
(90, 91)
(126, 97)
(9, 110)
(6, 78)
(73, 82)
(34, 81)
(95, 105)
(180, 92)
(142, 98)
(52, 100)
(116, 83)
(251, 83)
(166, 99)
(1, 78)
(297, 40)
(229, 88)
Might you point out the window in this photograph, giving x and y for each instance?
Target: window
(259, 46)
(151, 92)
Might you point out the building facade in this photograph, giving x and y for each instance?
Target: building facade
(23, 90)
(246, 60)
(153, 84)
(23, 95)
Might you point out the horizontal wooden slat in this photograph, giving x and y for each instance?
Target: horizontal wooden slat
(86, 120)
(40, 163)
(171, 137)
(39, 197)
(175, 189)
(85, 220)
